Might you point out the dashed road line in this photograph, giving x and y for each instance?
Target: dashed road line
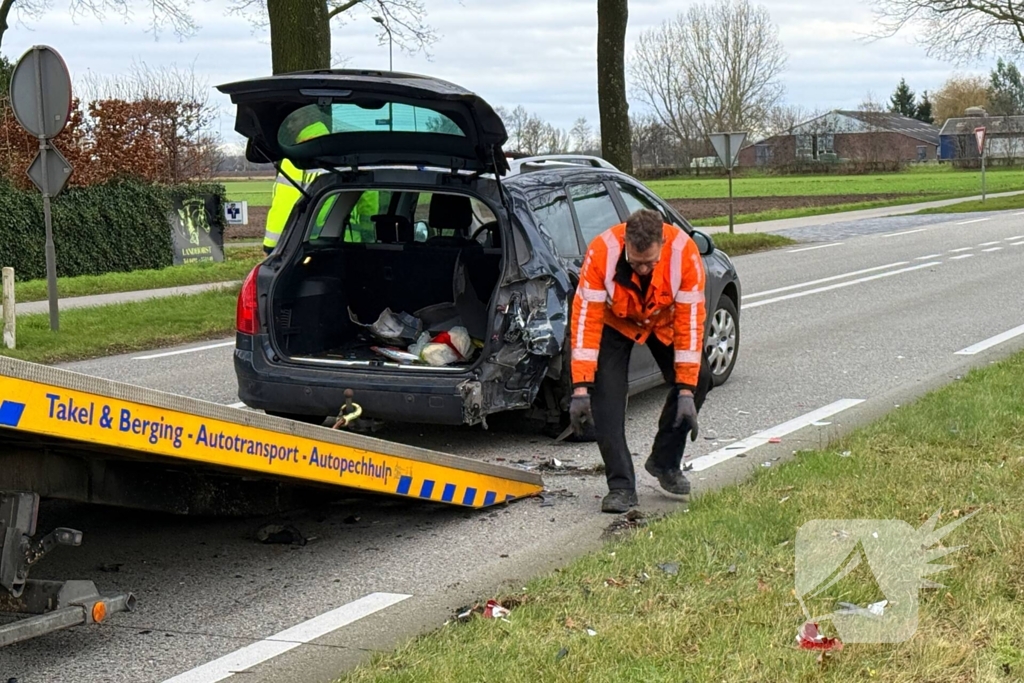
(761, 438)
(289, 639)
(961, 249)
(907, 232)
(1017, 244)
(928, 257)
(991, 341)
(822, 246)
(824, 279)
(819, 290)
(195, 349)
(961, 256)
(988, 244)
(976, 220)
(988, 251)
(1010, 239)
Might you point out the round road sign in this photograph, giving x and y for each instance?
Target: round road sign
(41, 92)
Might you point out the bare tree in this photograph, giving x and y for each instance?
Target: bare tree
(956, 30)
(715, 67)
(783, 118)
(870, 103)
(581, 136)
(163, 13)
(958, 94)
(612, 18)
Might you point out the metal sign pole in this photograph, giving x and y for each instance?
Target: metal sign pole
(51, 252)
(983, 175)
(729, 152)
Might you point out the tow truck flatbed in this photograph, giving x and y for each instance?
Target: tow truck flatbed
(71, 436)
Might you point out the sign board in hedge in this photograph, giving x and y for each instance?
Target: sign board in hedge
(197, 234)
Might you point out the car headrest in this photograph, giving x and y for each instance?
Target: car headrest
(451, 212)
(391, 229)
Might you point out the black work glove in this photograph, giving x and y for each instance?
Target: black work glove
(686, 416)
(580, 414)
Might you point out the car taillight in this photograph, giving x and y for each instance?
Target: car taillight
(247, 317)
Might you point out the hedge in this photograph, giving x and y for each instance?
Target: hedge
(120, 226)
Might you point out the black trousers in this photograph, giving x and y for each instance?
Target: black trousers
(608, 403)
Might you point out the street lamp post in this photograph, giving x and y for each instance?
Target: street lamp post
(391, 67)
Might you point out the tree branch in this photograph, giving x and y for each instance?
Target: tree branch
(343, 8)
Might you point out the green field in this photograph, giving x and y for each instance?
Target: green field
(942, 181)
(256, 192)
(990, 204)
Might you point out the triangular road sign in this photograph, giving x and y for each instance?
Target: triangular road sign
(727, 146)
(979, 135)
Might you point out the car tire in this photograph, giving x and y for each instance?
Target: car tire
(295, 417)
(723, 340)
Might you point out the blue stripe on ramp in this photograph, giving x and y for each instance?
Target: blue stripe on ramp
(469, 497)
(489, 498)
(427, 489)
(10, 413)
(508, 497)
(403, 486)
(449, 493)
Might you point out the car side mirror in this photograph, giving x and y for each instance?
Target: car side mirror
(704, 243)
(421, 231)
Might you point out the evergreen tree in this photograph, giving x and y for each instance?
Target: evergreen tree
(1006, 90)
(903, 100)
(924, 109)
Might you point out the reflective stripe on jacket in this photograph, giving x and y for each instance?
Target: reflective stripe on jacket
(673, 308)
(284, 198)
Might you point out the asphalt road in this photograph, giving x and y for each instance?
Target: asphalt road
(875, 317)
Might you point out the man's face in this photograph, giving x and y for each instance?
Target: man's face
(643, 262)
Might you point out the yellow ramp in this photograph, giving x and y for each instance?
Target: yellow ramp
(41, 402)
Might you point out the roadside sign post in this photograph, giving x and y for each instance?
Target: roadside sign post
(979, 135)
(41, 100)
(727, 146)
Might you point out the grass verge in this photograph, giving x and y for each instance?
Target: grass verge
(730, 613)
(236, 265)
(123, 328)
(992, 204)
(737, 244)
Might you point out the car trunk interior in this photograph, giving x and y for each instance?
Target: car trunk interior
(416, 258)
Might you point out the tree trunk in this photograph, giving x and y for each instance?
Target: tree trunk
(5, 10)
(612, 16)
(300, 35)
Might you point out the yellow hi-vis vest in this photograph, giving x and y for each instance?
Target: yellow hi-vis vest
(284, 198)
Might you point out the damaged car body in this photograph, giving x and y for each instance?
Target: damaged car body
(415, 218)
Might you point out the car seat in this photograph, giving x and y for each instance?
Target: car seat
(393, 228)
(450, 212)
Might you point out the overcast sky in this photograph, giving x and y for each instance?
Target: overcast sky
(538, 53)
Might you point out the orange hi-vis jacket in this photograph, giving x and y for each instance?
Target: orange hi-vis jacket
(610, 293)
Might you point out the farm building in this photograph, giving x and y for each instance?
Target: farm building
(848, 136)
(1004, 137)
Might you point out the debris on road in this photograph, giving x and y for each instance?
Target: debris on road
(775, 439)
(634, 519)
(591, 632)
(875, 609)
(280, 534)
(810, 638)
(111, 568)
(556, 465)
(766, 464)
(562, 654)
(495, 611)
(845, 454)
(670, 568)
(732, 569)
(351, 519)
(711, 435)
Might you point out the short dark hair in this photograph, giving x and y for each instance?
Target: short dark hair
(644, 229)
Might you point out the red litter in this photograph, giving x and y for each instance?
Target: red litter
(809, 638)
(495, 611)
(775, 439)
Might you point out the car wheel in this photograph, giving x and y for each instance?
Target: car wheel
(295, 417)
(723, 343)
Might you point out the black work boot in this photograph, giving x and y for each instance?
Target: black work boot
(672, 481)
(619, 500)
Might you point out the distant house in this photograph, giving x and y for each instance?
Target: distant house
(848, 136)
(1004, 137)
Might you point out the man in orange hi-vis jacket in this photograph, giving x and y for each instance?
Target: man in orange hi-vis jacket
(642, 282)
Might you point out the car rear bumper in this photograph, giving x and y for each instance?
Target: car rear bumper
(383, 395)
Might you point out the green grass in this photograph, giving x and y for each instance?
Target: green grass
(780, 214)
(921, 181)
(123, 328)
(737, 244)
(236, 265)
(991, 204)
(730, 615)
(256, 192)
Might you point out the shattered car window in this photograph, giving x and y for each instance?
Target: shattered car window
(555, 217)
(594, 209)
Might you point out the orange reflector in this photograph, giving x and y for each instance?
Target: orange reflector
(99, 612)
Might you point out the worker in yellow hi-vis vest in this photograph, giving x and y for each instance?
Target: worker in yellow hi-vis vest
(286, 194)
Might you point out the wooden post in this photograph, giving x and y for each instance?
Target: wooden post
(8, 301)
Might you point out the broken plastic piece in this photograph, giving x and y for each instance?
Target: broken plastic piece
(845, 454)
(775, 439)
(809, 638)
(766, 464)
(562, 654)
(396, 355)
(591, 632)
(396, 329)
(495, 611)
(670, 568)
(279, 533)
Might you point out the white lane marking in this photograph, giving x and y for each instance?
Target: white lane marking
(1019, 214)
(1017, 244)
(957, 251)
(761, 438)
(991, 341)
(961, 256)
(824, 279)
(823, 246)
(908, 232)
(928, 257)
(1010, 239)
(976, 220)
(988, 244)
(237, 405)
(797, 295)
(987, 251)
(289, 639)
(184, 351)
